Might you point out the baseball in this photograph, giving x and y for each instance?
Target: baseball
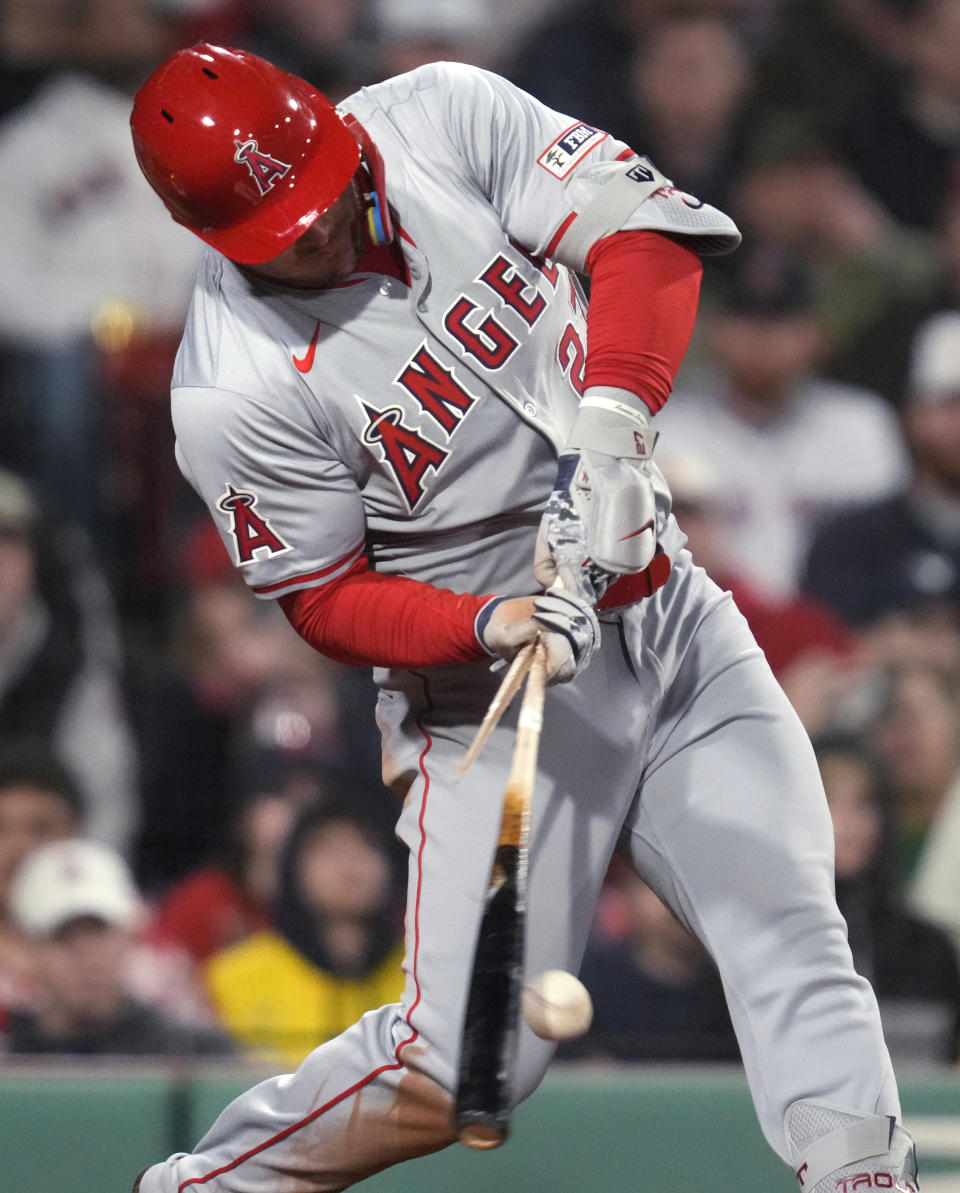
(556, 1005)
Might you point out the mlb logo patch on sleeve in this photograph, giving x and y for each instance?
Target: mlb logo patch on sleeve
(562, 155)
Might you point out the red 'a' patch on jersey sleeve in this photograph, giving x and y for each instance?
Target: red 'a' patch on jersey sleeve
(251, 531)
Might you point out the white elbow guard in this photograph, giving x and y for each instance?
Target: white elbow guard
(633, 196)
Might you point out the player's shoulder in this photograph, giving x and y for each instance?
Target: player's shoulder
(434, 86)
(439, 75)
(236, 341)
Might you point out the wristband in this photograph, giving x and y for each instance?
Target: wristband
(482, 620)
(613, 428)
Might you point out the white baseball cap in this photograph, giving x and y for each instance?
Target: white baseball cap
(690, 474)
(18, 509)
(64, 880)
(935, 359)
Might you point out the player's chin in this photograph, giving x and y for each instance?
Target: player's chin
(309, 278)
(335, 271)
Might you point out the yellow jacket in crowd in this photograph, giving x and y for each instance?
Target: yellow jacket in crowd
(270, 997)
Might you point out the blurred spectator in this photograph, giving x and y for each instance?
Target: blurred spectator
(38, 803)
(325, 43)
(94, 270)
(578, 59)
(221, 22)
(617, 67)
(337, 949)
(820, 56)
(917, 738)
(903, 137)
(411, 33)
(656, 995)
(60, 672)
(511, 20)
(893, 566)
(692, 133)
(788, 446)
(795, 190)
(234, 675)
(879, 356)
(911, 963)
(118, 39)
(223, 903)
(76, 902)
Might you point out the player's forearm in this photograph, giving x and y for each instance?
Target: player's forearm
(369, 619)
(644, 291)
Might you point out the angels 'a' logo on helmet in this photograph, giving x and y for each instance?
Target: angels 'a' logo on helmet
(265, 170)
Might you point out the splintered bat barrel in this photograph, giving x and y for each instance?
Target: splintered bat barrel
(492, 1023)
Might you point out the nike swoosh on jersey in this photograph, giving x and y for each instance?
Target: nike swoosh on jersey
(640, 530)
(305, 363)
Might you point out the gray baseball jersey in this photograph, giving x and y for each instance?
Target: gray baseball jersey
(418, 423)
(421, 424)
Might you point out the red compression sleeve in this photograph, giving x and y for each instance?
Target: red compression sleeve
(644, 290)
(372, 620)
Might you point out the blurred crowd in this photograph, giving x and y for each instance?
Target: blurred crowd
(196, 850)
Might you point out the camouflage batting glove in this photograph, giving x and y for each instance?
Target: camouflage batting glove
(561, 554)
(601, 518)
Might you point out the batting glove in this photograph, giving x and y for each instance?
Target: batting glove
(600, 519)
(567, 624)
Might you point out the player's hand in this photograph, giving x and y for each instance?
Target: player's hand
(567, 624)
(561, 553)
(600, 519)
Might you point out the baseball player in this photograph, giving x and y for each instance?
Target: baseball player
(385, 397)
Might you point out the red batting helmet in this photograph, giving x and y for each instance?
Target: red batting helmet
(242, 153)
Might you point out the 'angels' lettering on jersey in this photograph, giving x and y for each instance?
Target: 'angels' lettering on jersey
(489, 341)
(503, 279)
(251, 532)
(409, 449)
(409, 454)
(436, 389)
